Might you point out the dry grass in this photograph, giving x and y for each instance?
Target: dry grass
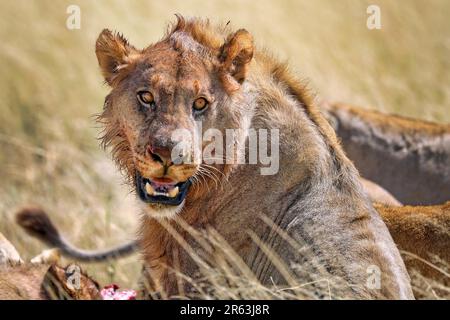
(50, 87)
(222, 274)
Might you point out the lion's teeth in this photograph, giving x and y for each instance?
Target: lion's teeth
(152, 192)
(149, 189)
(173, 193)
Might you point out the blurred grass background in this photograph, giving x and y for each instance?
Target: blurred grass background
(50, 87)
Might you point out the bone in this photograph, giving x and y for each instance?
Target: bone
(48, 256)
(8, 254)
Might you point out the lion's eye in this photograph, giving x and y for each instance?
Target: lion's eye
(146, 98)
(200, 104)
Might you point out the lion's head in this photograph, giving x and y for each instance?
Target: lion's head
(163, 98)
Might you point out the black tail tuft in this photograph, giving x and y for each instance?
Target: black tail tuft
(36, 223)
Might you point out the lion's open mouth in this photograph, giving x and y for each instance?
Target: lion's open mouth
(163, 193)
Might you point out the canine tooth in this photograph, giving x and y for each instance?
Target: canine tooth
(173, 193)
(149, 189)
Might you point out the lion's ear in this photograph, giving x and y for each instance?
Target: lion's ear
(237, 52)
(113, 53)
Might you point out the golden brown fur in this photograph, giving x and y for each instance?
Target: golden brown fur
(423, 231)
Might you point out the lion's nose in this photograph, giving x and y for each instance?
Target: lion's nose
(160, 154)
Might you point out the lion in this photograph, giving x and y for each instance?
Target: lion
(42, 279)
(408, 157)
(200, 77)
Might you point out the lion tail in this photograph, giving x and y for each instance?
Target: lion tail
(37, 223)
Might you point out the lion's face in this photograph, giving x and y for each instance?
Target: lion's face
(163, 98)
